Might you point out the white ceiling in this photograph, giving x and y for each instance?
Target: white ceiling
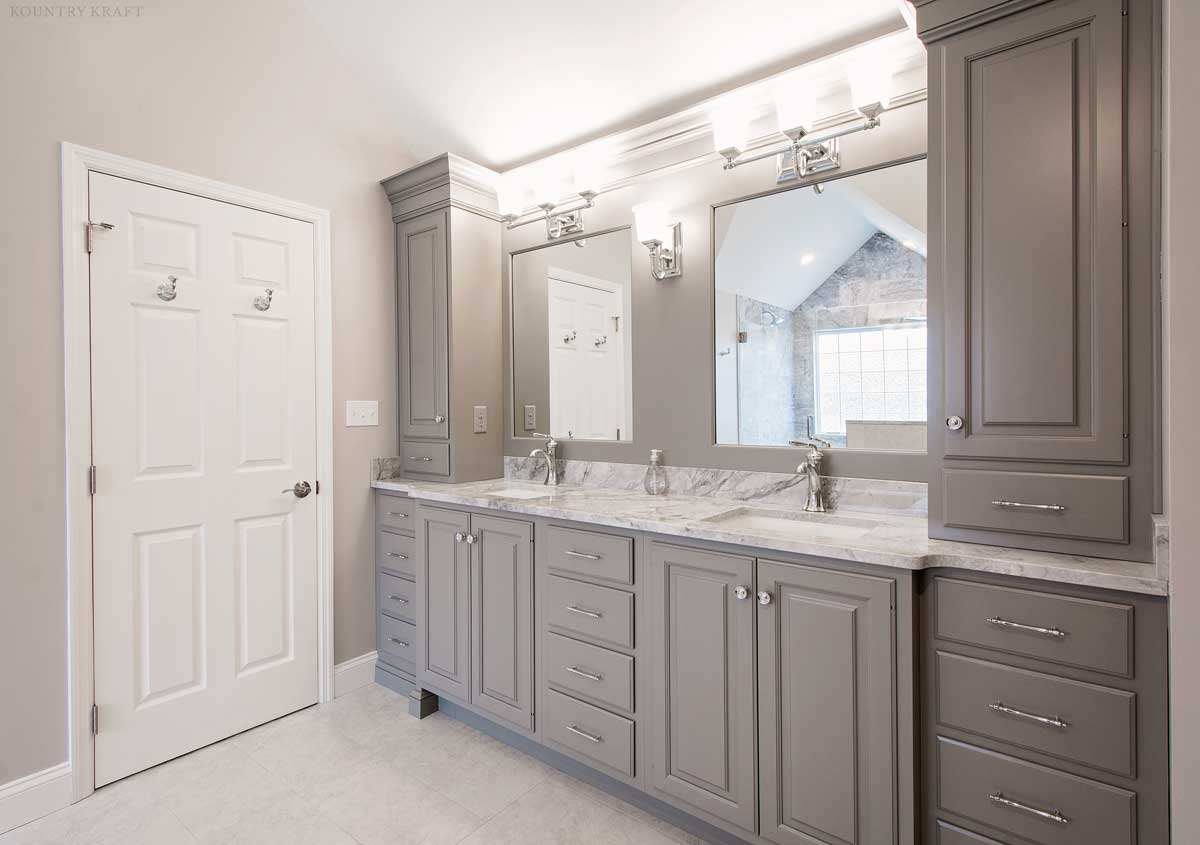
(506, 83)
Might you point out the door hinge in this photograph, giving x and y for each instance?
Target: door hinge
(91, 480)
(91, 227)
(95, 720)
(317, 488)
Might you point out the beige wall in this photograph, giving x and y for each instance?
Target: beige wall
(246, 93)
(1181, 180)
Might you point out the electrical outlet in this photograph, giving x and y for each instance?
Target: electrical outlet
(531, 417)
(362, 412)
(480, 419)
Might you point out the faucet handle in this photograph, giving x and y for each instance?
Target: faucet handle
(812, 443)
(550, 441)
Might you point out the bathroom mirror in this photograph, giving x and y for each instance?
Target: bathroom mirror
(820, 314)
(572, 339)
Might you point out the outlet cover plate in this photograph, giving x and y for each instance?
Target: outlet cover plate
(479, 418)
(362, 412)
(531, 417)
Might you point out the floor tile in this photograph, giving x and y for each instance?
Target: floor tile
(624, 807)
(114, 815)
(307, 753)
(290, 820)
(380, 805)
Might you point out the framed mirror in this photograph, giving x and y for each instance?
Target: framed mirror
(572, 339)
(820, 307)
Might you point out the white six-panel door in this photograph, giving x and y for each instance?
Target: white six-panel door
(203, 415)
(587, 389)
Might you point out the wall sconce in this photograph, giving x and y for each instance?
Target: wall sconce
(561, 219)
(655, 233)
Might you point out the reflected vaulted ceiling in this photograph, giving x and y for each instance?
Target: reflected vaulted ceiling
(505, 83)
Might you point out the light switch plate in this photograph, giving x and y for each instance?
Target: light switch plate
(362, 412)
(480, 419)
(531, 417)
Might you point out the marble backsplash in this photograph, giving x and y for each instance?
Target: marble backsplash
(787, 490)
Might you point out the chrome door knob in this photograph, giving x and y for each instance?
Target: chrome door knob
(300, 489)
(740, 592)
(439, 418)
(764, 598)
(954, 423)
(458, 536)
(471, 539)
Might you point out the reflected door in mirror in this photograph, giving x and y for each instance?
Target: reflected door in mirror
(586, 369)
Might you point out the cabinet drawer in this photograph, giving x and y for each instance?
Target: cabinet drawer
(397, 642)
(1081, 507)
(600, 613)
(425, 458)
(600, 674)
(396, 596)
(590, 553)
(1088, 724)
(394, 553)
(590, 732)
(1062, 629)
(395, 512)
(975, 783)
(948, 834)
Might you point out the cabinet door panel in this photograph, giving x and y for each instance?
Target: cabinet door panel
(1033, 236)
(702, 681)
(444, 601)
(826, 690)
(422, 300)
(502, 636)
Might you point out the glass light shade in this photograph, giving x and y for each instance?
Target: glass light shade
(795, 107)
(548, 184)
(871, 81)
(589, 170)
(730, 126)
(509, 196)
(650, 222)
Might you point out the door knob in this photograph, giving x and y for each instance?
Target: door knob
(471, 539)
(740, 592)
(764, 598)
(954, 423)
(439, 418)
(299, 490)
(459, 536)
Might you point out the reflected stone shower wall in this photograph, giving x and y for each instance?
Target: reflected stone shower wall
(882, 283)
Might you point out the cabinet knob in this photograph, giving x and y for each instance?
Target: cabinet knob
(954, 423)
(471, 538)
(439, 418)
(740, 592)
(459, 536)
(764, 598)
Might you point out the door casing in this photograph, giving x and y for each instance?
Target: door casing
(77, 162)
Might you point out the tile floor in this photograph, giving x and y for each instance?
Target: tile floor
(356, 770)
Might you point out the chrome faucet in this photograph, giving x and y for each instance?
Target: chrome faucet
(550, 454)
(811, 467)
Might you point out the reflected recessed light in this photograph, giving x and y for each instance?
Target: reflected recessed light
(910, 244)
(807, 258)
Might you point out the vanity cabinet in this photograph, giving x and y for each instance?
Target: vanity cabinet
(474, 627)
(448, 295)
(1041, 273)
(395, 590)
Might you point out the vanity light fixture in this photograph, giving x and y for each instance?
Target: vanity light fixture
(560, 221)
(653, 230)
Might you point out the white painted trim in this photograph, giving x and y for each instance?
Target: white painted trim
(354, 673)
(76, 163)
(36, 795)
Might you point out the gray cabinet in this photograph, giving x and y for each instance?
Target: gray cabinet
(395, 594)
(448, 298)
(1041, 274)
(701, 681)
(502, 618)
(826, 704)
(422, 297)
(444, 601)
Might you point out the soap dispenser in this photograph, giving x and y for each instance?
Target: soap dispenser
(656, 477)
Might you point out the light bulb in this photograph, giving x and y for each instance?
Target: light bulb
(650, 222)
(795, 107)
(730, 125)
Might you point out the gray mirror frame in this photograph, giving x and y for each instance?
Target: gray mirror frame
(690, 439)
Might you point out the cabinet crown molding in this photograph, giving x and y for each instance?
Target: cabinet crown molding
(938, 19)
(442, 181)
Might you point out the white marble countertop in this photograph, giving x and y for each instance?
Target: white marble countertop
(880, 539)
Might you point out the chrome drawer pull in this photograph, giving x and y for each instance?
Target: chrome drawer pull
(397, 554)
(584, 555)
(400, 599)
(1053, 721)
(589, 737)
(576, 671)
(591, 614)
(1048, 815)
(400, 643)
(420, 458)
(1002, 503)
(1032, 629)
(397, 513)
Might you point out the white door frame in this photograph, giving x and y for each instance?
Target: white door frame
(77, 162)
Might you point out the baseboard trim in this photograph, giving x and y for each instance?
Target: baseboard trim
(36, 795)
(354, 673)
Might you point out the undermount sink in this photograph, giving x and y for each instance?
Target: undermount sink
(793, 522)
(519, 493)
